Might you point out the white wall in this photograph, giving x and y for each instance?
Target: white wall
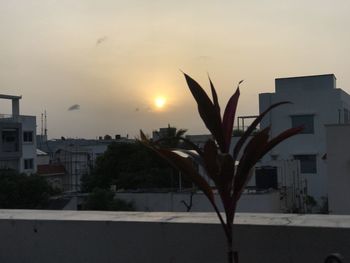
(42, 159)
(90, 237)
(338, 161)
(28, 148)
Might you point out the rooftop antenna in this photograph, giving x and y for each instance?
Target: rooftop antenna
(45, 125)
(42, 125)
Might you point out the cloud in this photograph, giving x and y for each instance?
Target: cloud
(74, 107)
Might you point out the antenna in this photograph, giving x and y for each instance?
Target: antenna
(45, 125)
(42, 125)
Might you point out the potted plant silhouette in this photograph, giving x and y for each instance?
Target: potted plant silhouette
(230, 172)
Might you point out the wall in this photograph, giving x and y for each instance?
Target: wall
(87, 237)
(28, 149)
(172, 202)
(338, 166)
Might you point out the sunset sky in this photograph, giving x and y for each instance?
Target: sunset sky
(114, 58)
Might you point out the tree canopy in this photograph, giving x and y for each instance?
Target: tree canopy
(20, 191)
(130, 166)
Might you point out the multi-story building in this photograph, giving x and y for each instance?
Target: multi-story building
(316, 102)
(17, 140)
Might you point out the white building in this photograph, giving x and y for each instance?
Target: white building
(316, 103)
(17, 140)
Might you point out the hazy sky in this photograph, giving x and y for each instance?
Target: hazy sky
(109, 59)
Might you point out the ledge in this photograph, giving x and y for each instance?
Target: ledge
(295, 220)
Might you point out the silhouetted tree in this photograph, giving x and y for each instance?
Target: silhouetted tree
(20, 191)
(130, 166)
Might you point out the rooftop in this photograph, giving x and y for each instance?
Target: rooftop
(310, 76)
(10, 97)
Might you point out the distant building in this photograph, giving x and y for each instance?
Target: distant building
(316, 102)
(42, 157)
(55, 175)
(199, 139)
(76, 161)
(77, 156)
(163, 133)
(18, 139)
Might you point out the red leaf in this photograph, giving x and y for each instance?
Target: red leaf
(210, 154)
(280, 138)
(186, 167)
(215, 97)
(252, 154)
(252, 127)
(227, 170)
(143, 136)
(207, 111)
(229, 118)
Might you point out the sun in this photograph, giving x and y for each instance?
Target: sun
(159, 102)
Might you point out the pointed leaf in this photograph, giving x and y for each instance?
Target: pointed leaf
(280, 138)
(215, 97)
(207, 111)
(227, 170)
(192, 154)
(143, 136)
(252, 154)
(186, 167)
(229, 118)
(252, 127)
(210, 153)
(186, 141)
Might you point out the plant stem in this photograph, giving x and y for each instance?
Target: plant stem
(229, 243)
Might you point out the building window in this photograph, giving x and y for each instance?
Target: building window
(9, 140)
(308, 163)
(307, 121)
(28, 136)
(28, 164)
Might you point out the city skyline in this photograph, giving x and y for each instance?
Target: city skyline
(97, 67)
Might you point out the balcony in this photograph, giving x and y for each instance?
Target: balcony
(74, 236)
(8, 118)
(14, 118)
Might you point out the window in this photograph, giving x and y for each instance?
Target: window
(28, 136)
(307, 121)
(28, 164)
(9, 140)
(307, 163)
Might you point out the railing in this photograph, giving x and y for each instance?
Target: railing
(12, 118)
(239, 130)
(7, 117)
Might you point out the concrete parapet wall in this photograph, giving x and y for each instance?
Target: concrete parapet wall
(173, 202)
(135, 237)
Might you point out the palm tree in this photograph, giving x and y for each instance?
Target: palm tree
(171, 137)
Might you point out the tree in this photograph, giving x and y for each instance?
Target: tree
(171, 138)
(130, 166)
(20, 191)
(229, 178)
